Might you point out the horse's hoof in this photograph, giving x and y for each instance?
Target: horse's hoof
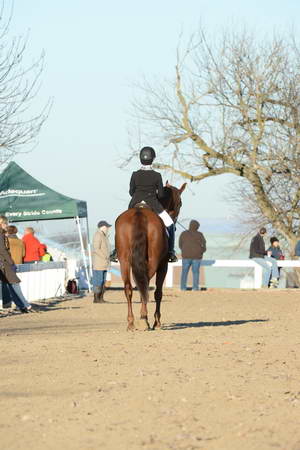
(131, 327)
(142, 325)
(156, 326)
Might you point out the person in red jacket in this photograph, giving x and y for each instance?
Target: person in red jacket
(34, 250)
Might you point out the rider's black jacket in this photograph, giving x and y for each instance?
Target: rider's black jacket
(147, 186)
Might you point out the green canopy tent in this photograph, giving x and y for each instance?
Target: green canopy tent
(23, 198)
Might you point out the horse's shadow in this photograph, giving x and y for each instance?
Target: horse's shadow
(226, 323)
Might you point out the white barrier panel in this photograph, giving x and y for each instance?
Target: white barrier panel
(42, 280)
(258, 271)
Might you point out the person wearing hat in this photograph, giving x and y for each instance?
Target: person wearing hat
(259, 255)
(274, 250)
(146, 185)
(101, 260)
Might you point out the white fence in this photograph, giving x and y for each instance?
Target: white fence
(240, 263)
(42, 280)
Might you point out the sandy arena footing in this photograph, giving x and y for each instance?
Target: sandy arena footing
(223, 373)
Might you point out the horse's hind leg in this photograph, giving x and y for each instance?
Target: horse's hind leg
(160, 278)
(125, 269)
(144, 311)
(130, 316)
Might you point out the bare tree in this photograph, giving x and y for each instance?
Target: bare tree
(19, 85)
(233, 107)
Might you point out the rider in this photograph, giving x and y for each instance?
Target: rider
(146, 186)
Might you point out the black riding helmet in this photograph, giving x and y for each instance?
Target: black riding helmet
(147, 156)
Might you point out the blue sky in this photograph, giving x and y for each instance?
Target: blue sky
(95, 50)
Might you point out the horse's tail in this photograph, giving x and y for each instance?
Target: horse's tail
(139, 261)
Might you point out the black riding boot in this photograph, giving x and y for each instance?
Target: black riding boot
(113, 256)
(102, 293)
(97, 294)
(171, 243)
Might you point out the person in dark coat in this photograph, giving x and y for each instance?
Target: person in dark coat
(8, 276)
(259, 255)
(146, 186)
(193, 245)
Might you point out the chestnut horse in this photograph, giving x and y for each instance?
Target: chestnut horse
(142, 247)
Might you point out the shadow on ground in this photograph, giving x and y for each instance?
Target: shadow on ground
(226, 323)
(35, 309)
(121, 288)
(41, 306)
(59, 328)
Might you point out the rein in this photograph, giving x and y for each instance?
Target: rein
(182, 226)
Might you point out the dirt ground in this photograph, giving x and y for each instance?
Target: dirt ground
(223, 373)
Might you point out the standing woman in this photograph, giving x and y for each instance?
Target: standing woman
(101, 262)
(8, 275)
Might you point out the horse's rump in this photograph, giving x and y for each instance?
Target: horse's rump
(140, 236)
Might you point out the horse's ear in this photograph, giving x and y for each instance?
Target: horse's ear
(182, 188)
(167, 183)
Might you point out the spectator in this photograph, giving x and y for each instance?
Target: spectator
(274, 250)
(8, 277)
(16, 245)
(297, 249)
(46, 257)
(101, 260)
(193, 245)
(34, 250)
(258, 254)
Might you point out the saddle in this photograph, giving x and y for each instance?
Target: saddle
(142, 204)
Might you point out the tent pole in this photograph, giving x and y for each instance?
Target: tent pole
(89, 247)
(83, 252)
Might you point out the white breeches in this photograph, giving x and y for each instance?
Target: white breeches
(166, 218)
